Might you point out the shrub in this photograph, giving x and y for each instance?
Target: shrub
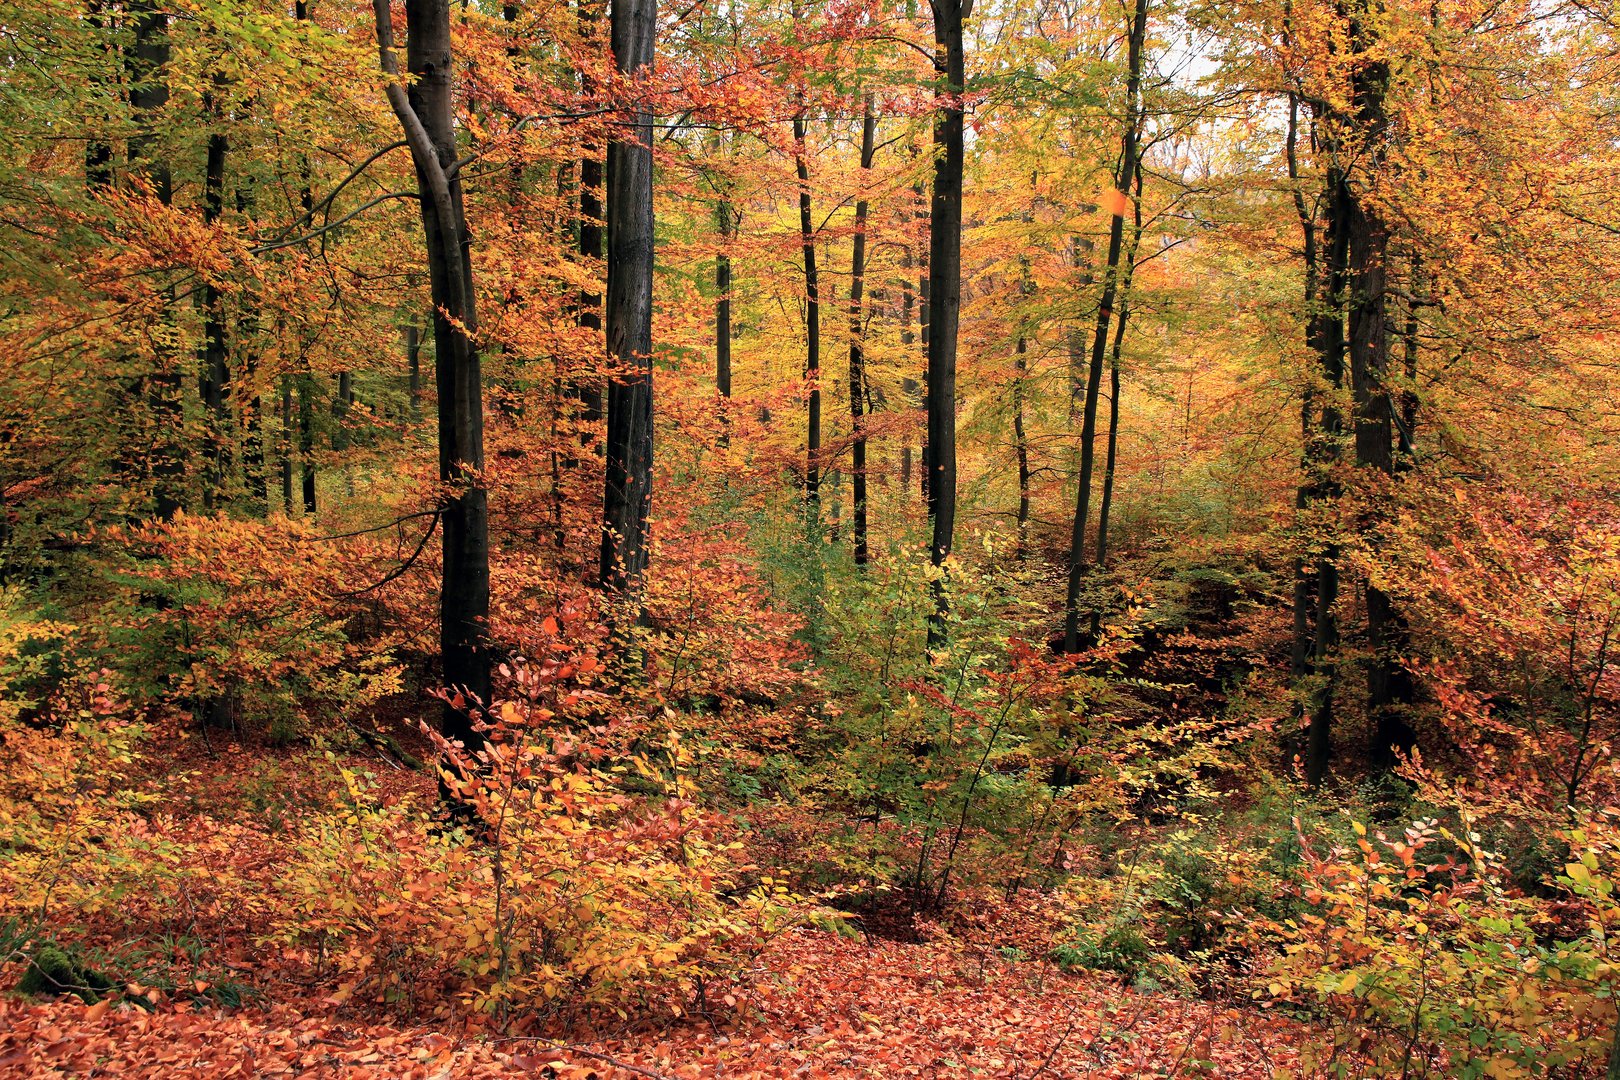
(1421, 956)
(556, 886)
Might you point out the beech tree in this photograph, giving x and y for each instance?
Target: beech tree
(857, 333)
(942, 301)
(1115, 277)
(426, 113)
(627, 494)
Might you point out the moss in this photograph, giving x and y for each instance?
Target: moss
(53, 970)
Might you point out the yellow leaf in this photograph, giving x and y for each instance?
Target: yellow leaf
(1349, 983)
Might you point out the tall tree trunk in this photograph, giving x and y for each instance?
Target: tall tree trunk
(812, 318)
(98, 152)
(216, 384)
(587, 390)
(412, 337)
(1304, 579)
(1110, 462)
(340, 411)
(726, 222)
(306, 377)
(722, 305)
(1327, 339)
(1389, 686)
(306, 440)
(627, 494)
(1406, 438)
(908, 385)
(253, 462)
(148, 63)
(1080, 253)
(287, 443)
(1078, 566)
(857, 333)
(426, 113)
(924, 469)
(1020, 435)
(944, 298)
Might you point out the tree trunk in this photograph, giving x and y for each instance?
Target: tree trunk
(1406, 436)
(1078, 566)
(1389, 686)
(1105, 508)
(1020, 436)
(908, 385)
(627, 493)
(587, 389)
(216, 380)
(944, 298)
(98, 152)
(306, 439)
(287, 445)
(923, 286)
(253, 463)
(426, 113)
(1327, 339)
(1304, 593)
(1080, 251)
(726, 222)
(812, 318)
(413, 367)
(722, 305)
(857, 343)
(148, 63)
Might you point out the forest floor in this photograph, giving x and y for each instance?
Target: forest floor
(974, 999)
(822, 1005)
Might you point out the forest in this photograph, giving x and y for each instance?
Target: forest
(783, 538)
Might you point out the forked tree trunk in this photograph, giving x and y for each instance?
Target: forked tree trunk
(426, 114)
(1110, 463)
(1079, 567)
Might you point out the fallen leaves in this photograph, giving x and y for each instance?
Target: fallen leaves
(884, 1009)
